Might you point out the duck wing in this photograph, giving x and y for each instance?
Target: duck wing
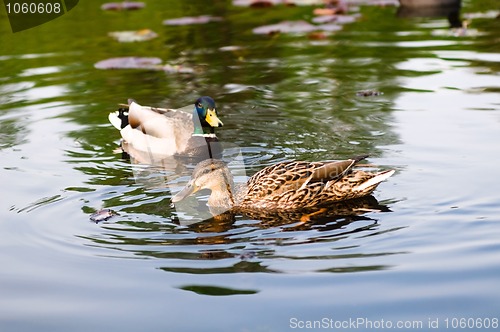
(276, 179)
(158, 122)
(331, 171)
(157, 130)
(353, 185)
(295, 175)
(301, 184)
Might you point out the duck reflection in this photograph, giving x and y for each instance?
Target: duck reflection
(333, 216)
(254, 243)
(336, 219)
(432, 8)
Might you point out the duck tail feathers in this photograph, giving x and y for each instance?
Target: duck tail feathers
(359, 158)
(373, 182)
(114, 118)
(119, 119)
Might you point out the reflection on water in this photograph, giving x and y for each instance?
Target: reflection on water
(243, 244)
(425, 245)
(217, 291)
(432, 8)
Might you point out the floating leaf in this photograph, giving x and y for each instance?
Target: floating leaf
(129, 63)
(102, 215)
(231, 48)
(317, 35)
(488, 14)
(142, 63)
(368, 93)
(324, 19)
(133, 36)
(339, 19)
(285, 27)
(456, 32)
(295, 27)
(192, 20)
(380, 3)
(329, 27)
(247, 254)
(270, 3)
(255, 3)
(324, 11)
(177, 69)
(261, 4)
(125, 5)
(332, 8)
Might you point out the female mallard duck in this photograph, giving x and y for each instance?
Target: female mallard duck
(170, 132)
(284, 186)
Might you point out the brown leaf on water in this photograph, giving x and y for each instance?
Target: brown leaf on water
(329, 27)
(125, 5)
(317, 35)
(380, 3)
(102, 215)
(129, 63)
(261, 4)
(192, 20)
(295, 27)
(270, 3)
(133, 36)
(286, 27)
(324, 11)
(142, 63)
(177, 69)
(368, 93)
(338, 19)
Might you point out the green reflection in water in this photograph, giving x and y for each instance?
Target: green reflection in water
(217, 291)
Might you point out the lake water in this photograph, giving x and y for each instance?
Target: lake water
(430, 259)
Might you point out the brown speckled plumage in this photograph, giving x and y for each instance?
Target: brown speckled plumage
(284, 186)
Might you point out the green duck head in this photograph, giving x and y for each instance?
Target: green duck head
(205, 110)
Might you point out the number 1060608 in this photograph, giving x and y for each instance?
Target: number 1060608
(33, 8)
(471, 323)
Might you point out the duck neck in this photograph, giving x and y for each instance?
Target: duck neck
(201, 127)
(223, 196)
(199, 130)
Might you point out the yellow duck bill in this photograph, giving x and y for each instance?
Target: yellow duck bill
(212, 118)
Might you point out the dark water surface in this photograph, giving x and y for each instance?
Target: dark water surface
(434, 258)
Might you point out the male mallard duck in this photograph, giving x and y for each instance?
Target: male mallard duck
(170, 132)
(284, 186)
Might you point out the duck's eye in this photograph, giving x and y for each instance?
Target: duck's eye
(199, 105)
